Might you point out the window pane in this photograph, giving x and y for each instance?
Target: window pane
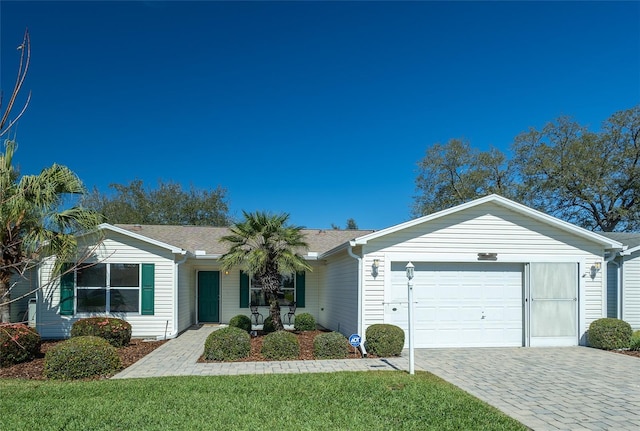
(93, 276)
(258, 297)
(125, 275)
(124, 300)
(285, 294)
(92, 300)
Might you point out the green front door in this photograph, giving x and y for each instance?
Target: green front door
(208, 296)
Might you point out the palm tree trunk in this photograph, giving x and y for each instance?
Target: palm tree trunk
(274, 312)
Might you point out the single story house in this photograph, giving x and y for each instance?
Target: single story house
(490, 272)
(623, 281)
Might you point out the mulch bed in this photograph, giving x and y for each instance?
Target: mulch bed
(32, 370)
(306, 348)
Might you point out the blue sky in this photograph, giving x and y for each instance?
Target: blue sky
(318, 109)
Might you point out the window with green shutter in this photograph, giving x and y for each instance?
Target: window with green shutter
(148, 289)
(244, 290)
(108, 288)
(292, 289)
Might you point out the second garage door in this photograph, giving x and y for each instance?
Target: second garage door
(460, 305)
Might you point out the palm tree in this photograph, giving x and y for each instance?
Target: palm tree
(36, 220)
(266, 247)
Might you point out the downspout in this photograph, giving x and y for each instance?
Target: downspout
(175, 331)
(360, 297)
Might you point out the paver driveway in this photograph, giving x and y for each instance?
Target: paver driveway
(569, 388)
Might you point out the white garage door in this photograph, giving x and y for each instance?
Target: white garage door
(460, 305)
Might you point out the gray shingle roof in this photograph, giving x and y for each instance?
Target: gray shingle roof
(630, 239)
(192, 238)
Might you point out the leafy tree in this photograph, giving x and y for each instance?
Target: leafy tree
(37, 215)
(266, 246)
(454, 173)
(35, 221)
(351, 225)
(168, 204)
(588, 178)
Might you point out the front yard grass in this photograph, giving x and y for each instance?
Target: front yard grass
(376, 400)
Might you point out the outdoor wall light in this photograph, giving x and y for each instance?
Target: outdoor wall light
(595, 268)
(374, 267)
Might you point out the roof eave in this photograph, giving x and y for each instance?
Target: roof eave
(173, 249)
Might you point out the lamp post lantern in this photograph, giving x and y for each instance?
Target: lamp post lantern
(410, 268)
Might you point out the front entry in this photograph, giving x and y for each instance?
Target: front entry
(208, 296)
(554, 304)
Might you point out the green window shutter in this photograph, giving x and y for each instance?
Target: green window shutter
(148, 289)
(300, 289)
(67, 286)
(244, 290)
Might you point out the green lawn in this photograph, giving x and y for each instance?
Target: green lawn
(381, 400)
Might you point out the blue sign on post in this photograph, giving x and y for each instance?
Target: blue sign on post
(354, 340)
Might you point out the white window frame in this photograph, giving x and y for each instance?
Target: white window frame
(108, 288)
(253, 281)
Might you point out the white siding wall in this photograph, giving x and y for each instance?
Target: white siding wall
(631, 290)
(459, 237)
(338, 299)
(22, 286)
(116, 249)
(186, 296)
(612, 290)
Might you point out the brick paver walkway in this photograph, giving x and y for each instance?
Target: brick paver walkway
(179, 357)
(569, 388)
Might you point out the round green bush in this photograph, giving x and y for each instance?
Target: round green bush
(267, 326)
(609, 334)
(384, 340)
(635, 341)
(304, 322)
(116, 331)
(241, 321)
(18, 343)
(227, 344)
(81, 357)
(280, 345)
(330, 345)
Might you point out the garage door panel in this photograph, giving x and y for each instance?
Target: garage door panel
(460, 305)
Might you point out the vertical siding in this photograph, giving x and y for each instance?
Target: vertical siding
(459, 237)
(631, 290)
(338, 299)
(116, 249)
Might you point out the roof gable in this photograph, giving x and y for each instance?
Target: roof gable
(503, 202)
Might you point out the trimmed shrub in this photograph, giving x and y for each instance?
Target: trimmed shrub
(81, 357)
(609, 334)
(227, 344)
(330, 345)
(384, 340)
(241, 321)
(635, 341)
(267, 326)
(280, 345)
(18, 343)
(116, 331)
(304, 322)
